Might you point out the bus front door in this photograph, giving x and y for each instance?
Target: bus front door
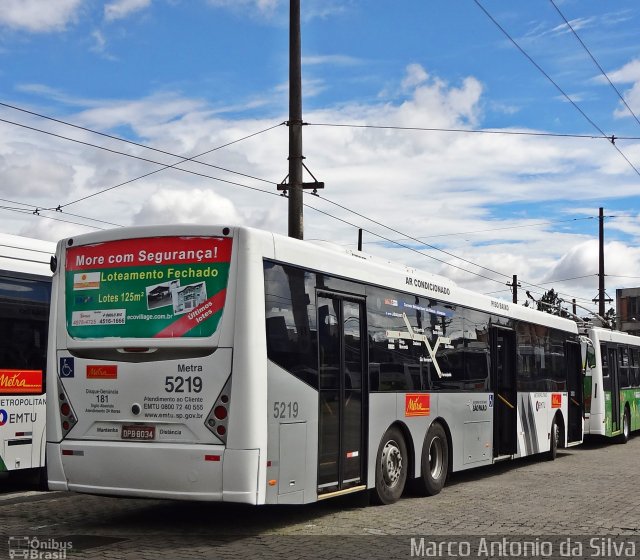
(341, 346)
(503, 373)
(574, 390)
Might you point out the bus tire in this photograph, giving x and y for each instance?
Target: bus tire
(392, 462)
(554, 437)
(626, 427)
(435, 459)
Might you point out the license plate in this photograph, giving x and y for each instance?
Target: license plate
(143, 433)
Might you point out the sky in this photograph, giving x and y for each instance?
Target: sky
(471, 139)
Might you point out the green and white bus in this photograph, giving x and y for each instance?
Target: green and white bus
(232, 364)
(612, 383)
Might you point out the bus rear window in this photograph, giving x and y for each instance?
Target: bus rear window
(155, 287)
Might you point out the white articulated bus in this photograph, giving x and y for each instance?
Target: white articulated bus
(612, 383)
(232, 364)
(25, 289)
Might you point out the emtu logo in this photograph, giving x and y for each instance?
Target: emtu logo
(3, 416)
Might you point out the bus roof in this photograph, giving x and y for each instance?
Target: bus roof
(25, 255)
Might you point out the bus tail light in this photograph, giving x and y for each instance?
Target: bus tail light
(218, 418)
(68, 418)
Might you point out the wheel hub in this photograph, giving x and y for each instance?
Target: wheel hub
(391, 463)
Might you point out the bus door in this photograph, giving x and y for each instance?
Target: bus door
(574, 390)
(503, 376)
(341, 346)
(614, 381)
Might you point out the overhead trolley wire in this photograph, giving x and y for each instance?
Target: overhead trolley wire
(430, 246)
(118, 152)
(421, 237)
(193, 158)
(140, 145)
(397, 243)
(410, 237)
(471, 131)
(575, 33)
(184, 160)
(173, 166)
(29, 212)
(564, 94)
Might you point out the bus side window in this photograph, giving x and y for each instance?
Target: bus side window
(623, 362)
(290, 321)
(604, 356)
(635, 367)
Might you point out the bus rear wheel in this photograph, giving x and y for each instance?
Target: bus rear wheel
(391, 467)
(554, 437)
(435, 459)
(626, 427)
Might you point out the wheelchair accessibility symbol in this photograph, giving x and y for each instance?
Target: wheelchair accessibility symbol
(66, 368)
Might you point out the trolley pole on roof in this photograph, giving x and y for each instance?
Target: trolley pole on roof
(293, 185)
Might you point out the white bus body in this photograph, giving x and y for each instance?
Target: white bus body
(232, 364)
(25, 289)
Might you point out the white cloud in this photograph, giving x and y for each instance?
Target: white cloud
(181, 206)
(120, 9)
(263, 7)
(269, 9)
(332, 59)
(99, 41)
(415, 75)
(37, 16)
(627, 74)
(577, 25)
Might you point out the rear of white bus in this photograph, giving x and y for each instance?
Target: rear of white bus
(143, 401)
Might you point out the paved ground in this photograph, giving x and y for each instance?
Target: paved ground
(588, 492)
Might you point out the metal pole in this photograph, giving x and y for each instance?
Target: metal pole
(601, 294)
(515, 288)
(295, 123)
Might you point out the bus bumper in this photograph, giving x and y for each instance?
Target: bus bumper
(167, 471)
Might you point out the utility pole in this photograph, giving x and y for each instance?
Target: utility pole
(293, 189)
(296, 226)
(515, 286)
(602, 296)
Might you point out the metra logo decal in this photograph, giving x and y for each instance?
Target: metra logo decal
(417, 405)
(556, 400)
(20, 381)
(102, 372)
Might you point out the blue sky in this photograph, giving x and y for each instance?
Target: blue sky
(187, 76)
